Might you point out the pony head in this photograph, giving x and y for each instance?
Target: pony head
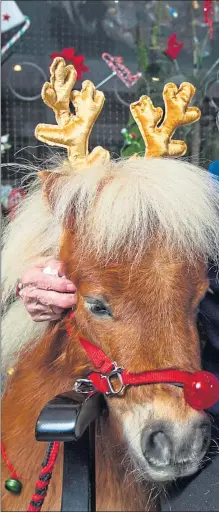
(135, 236)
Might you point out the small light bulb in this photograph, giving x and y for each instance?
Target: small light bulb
(17, 67)
(10, 371)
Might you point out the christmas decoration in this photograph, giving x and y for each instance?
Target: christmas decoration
(10, 199)
(70, 58)
(172, 11)
(4, 143)
(133, 142)
(13, 484)
(5, 192)
(119, 69)
(173, 47)
(6, 17)
(15, 197)
(11, 17)
(208, 15)
(158, 52)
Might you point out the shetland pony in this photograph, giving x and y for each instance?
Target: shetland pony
(135, 237)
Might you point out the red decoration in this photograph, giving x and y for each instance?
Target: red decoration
(15, 197)
(202, 391)
(116, 64)
(77, 60)
(6, 17)
(208, 15)
(174, 47)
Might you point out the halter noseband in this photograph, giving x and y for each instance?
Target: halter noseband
(201, 389)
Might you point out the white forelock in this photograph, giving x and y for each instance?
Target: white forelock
(117, 207)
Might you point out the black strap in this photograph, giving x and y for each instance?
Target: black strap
(78, 492)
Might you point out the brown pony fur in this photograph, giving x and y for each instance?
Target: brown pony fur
(148, 331)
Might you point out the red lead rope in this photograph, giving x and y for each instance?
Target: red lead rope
(44, 478)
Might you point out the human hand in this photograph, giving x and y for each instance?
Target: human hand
(46, 292)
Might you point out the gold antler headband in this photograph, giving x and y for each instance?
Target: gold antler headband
(73, 130)
(158, 139)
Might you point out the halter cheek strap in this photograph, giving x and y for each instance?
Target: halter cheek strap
(201, 389)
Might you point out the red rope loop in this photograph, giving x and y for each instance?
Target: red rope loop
(11, 469)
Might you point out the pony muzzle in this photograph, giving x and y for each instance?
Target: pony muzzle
(173, 450)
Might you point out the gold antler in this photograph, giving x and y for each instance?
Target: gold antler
(73, 130)
(158, 139)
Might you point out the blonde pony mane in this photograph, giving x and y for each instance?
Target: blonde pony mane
(118, 208)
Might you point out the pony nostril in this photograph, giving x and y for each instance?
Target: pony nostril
(156, 447)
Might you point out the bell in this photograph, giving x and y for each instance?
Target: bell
(13, 485)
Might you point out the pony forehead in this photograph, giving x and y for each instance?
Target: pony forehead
(124, 206)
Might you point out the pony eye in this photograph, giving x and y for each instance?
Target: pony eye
(97, 307)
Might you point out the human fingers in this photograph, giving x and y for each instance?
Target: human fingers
(49, 298)
(39, 312)
(35, 277)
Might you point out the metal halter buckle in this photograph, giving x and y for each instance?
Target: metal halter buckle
(116, 372)
(83, 386)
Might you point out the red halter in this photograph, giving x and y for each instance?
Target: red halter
(201, 389)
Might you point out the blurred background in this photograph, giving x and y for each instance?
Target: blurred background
(157, 42)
